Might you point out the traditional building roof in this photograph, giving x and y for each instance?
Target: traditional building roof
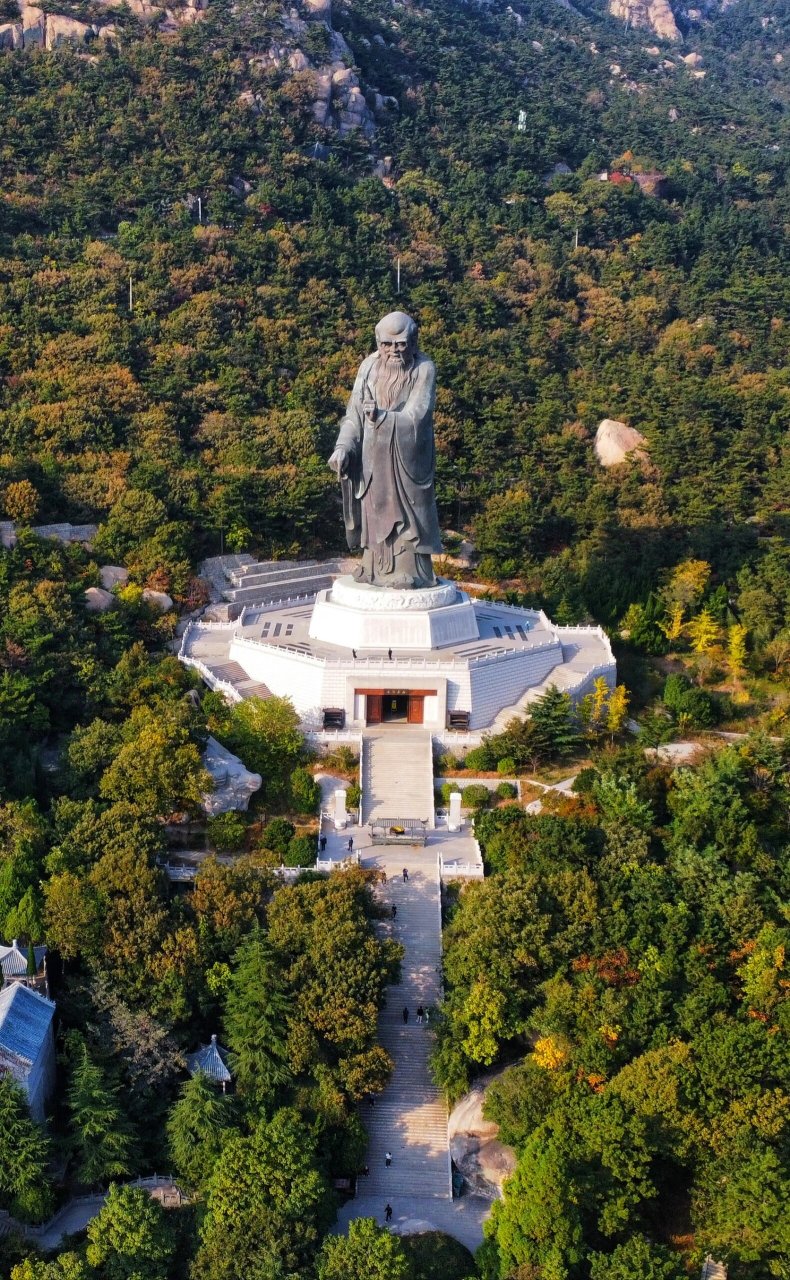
(211, 1060)
(25, 1018)
(13, 959)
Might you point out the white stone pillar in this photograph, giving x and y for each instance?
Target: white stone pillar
(341, 816)
(454, 816)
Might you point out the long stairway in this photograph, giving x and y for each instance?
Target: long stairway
(410, 1118)
(397, 775)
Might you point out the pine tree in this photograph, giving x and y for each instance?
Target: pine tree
(554, 724)
(99, 1131)
(197, 1128)
(24, 1156)
(256, 1011)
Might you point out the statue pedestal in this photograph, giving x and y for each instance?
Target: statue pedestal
(357, 616)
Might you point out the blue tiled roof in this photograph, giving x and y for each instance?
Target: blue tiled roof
(210, 1060)
(24, 1021)
(13, 959)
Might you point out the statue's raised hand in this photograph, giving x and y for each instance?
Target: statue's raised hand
(340, 462)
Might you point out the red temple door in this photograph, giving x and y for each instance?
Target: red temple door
(416, 708)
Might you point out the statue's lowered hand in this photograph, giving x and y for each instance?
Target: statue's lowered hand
(340, 462)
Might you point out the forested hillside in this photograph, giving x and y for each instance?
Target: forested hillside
(217, 395)
(587, 227)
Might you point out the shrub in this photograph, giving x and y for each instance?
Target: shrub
(301, 852)
(448, 763)
(305, 791)
(684, 699)
(507, 791)
(354, 795)
(584, 782)
(506, 765)
(343, 759)
(446, 790)
(226, 832)
(699, 709)
(278, 835)
(435, 1256)
(481, 757)
(475, 796)
(676, 687)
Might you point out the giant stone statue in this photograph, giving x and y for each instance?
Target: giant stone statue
(385, 458)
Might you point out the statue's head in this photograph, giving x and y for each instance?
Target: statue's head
(396, 338)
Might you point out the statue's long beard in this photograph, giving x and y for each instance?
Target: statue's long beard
(392, 380)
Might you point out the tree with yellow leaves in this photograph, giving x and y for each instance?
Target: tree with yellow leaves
(593, 707)
(617, 709)
(21, 501)
(672, 626)
(687, 583)
(550, 1052)
(703, 632)
(736, 650)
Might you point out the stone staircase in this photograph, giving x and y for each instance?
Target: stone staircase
(577, 669)
(267, 581)
(409, 1119)
(397, 775)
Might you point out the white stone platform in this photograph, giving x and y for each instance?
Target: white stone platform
(513, 657)
(363, 617)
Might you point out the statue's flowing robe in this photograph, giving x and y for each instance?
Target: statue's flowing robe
(388, 495)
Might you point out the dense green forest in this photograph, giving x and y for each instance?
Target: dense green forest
(636, 942)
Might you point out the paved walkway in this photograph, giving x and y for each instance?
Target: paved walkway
(77, 1213)
(462, 1219)
(410, 1118)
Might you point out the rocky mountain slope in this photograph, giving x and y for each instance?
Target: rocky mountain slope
(38, 29)
(304, 44)
(304, 41)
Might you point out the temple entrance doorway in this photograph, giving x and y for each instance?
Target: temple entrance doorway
(395, 706)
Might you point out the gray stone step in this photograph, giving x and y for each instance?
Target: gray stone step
(282, 589)
(307, 569)
(266, 566)
(397, 775)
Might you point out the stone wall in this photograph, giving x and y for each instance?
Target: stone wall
(504, 681)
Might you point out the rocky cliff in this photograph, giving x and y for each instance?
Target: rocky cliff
(654, 15)
(339, 100)
(39, 30)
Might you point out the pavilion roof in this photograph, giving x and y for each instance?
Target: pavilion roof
(210, 1060)
(13, 959)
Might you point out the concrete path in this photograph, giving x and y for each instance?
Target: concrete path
(77, 1213)
(397, 774)
(462, 1219)
(410, 1118)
